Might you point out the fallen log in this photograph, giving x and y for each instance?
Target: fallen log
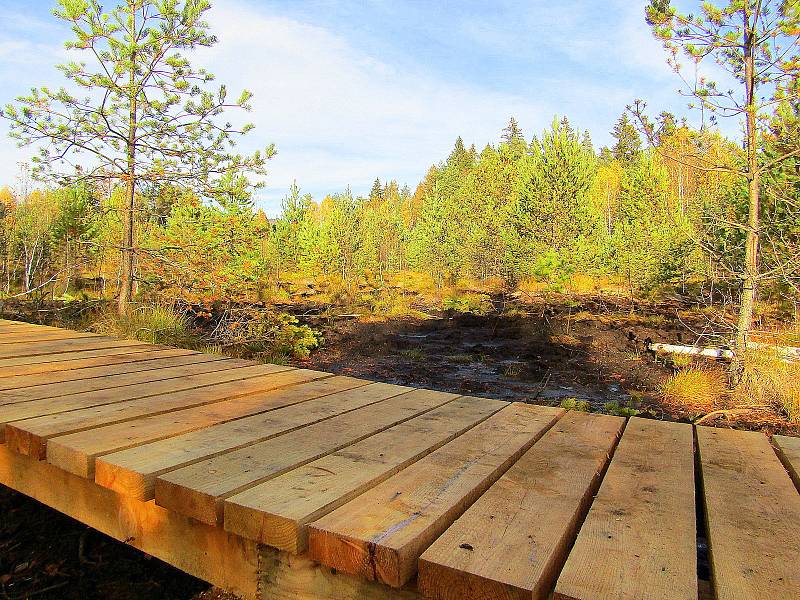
(789, 353)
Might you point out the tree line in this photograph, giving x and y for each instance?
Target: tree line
(544, 208)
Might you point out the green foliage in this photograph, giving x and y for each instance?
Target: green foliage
(614, 408)
(575, 404)
(478, 304)
(268, 335)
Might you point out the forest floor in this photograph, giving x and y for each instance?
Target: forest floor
(533, 348)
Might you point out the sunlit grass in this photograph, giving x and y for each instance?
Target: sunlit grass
(153, 324)
(694, 389)
(770, 381)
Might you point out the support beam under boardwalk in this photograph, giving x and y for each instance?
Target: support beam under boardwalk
(208, 553)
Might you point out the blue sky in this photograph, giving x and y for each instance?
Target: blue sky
(352, 90)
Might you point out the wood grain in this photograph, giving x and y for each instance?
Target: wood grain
(381, 534)
(134, 471)
(199, 490)
(205, 552)
(152, 361)
(512, 543)
(278, 511)
(84, 434)
(202, 375)
(78, 452)
(639, 538)
(43, 363)
(9, 372)
(17, 351)
(752, 513)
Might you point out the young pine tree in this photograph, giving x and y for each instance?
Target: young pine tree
(137, 111)
(757, 42)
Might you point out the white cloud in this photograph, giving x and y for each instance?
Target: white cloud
(341, 117)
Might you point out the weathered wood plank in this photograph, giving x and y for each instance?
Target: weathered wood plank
(17, 351)
(113, 427)
(203, 374)
(278, 511)
(639, 538)
(161, 369)
(789, 452)
(42, 337)
(205, 552)
(381, 534)
(10, 372)
(8, 364)
(287, 576)
(134, 471)
(752, 513)
(144, 363)
(78, 452)
(513, 541)
(199, 490)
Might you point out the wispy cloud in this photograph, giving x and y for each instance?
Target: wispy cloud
(353, 90)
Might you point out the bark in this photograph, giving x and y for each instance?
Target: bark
(750, 270)
(129, 212)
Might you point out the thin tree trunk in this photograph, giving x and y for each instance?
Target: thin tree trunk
(750, 268)
(128, 241)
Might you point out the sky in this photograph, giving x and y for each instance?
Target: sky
(351, 90)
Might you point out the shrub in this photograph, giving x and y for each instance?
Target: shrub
(695, 389)
(477, 304)
(264, 334)
(770, 381)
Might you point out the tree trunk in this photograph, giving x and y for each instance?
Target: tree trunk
(129, 212)
(750, 272)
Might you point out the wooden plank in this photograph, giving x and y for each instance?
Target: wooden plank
(203, 374)
(136, 355)
(161, 369)
(381, 534)
(789, 453)
(134, 471)
(200, 490)
(146, 362)
(278, 511)
(752, 513)
(513, 541)
(639, 538)
(90, 432)
(7, 364)
(287, 576)
(205, 552)
(61, 346)
(43, 337)
(77, 452)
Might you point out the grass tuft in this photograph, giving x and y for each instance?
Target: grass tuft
(154, 324)
(695, 389)
(770, 381)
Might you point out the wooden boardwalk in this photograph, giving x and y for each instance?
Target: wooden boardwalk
(279, 483)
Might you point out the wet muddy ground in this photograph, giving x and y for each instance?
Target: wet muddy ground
(536, 353)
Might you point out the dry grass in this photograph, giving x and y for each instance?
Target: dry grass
(770, 381)
(695, 389)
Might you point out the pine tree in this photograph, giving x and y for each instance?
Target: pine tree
(512, 134)
(376, 193)
(628, 143)
(147, 117)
